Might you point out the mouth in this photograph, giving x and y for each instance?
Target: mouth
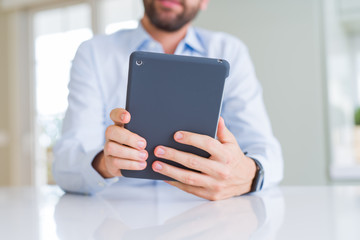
(170, 3)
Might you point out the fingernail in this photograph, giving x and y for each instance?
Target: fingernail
(142, 155)
(179, 136)
(157, 166)
(122, 117)
(141, 144)
(142, 164)
(160, 151)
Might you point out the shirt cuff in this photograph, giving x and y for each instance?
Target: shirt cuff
(94, 181)
(259, 158)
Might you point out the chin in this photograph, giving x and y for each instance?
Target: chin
(167, 16)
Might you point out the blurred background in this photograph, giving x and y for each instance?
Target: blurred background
(306, 54)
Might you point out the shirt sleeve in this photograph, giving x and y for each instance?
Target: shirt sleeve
(83, 132)
(245, 115)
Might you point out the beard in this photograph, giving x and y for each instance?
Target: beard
(169, 24)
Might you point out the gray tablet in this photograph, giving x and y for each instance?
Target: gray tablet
(168, 93)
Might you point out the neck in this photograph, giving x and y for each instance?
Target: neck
(168, 40)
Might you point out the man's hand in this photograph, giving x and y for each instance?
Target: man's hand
(122, 150)
(227, 173)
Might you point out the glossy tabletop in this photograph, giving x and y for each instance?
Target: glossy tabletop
(163, 212)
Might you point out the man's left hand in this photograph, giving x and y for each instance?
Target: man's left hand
(226, 173)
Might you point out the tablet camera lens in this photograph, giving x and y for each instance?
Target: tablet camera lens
(139, 62)
(220, 60)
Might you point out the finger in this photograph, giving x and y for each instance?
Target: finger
(204, 142)
(223, 133)
(197, 191)
(124, 136)
(120, 116)
(204, 165)
(120, 151)
(185, 176)
(114, 165)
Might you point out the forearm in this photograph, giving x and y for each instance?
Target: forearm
(73, 170)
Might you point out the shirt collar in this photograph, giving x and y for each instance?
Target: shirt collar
(140, 37)
(191, 40)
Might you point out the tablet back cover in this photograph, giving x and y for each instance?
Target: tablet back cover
(168, 93)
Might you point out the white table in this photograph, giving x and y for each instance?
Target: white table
(164, 212)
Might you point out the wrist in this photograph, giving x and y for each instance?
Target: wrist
(258, 179)
(252, 169)
(99, 165)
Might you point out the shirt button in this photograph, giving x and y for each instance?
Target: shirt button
(101, 184)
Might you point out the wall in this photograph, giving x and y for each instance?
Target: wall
(285, 40)
(349, 4)
(349, 14)
(14, 4)
(4, 110)
(16, 125)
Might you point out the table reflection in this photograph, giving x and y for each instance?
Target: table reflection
(164, 212)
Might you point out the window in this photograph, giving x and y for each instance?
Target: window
(57, 35)
(119, 14)
(58, 32)
(355, 40)
(343, 81)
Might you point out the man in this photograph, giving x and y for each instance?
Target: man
(86, 162)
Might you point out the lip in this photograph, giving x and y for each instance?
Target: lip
(170, 3)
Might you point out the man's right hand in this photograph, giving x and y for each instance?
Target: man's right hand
(122, 150)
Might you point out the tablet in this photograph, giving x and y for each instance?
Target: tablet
(167, 93)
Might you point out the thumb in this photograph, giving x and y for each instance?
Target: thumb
(223, 134)
(120, 116)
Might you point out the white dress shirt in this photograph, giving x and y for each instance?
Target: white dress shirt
(98, 84)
